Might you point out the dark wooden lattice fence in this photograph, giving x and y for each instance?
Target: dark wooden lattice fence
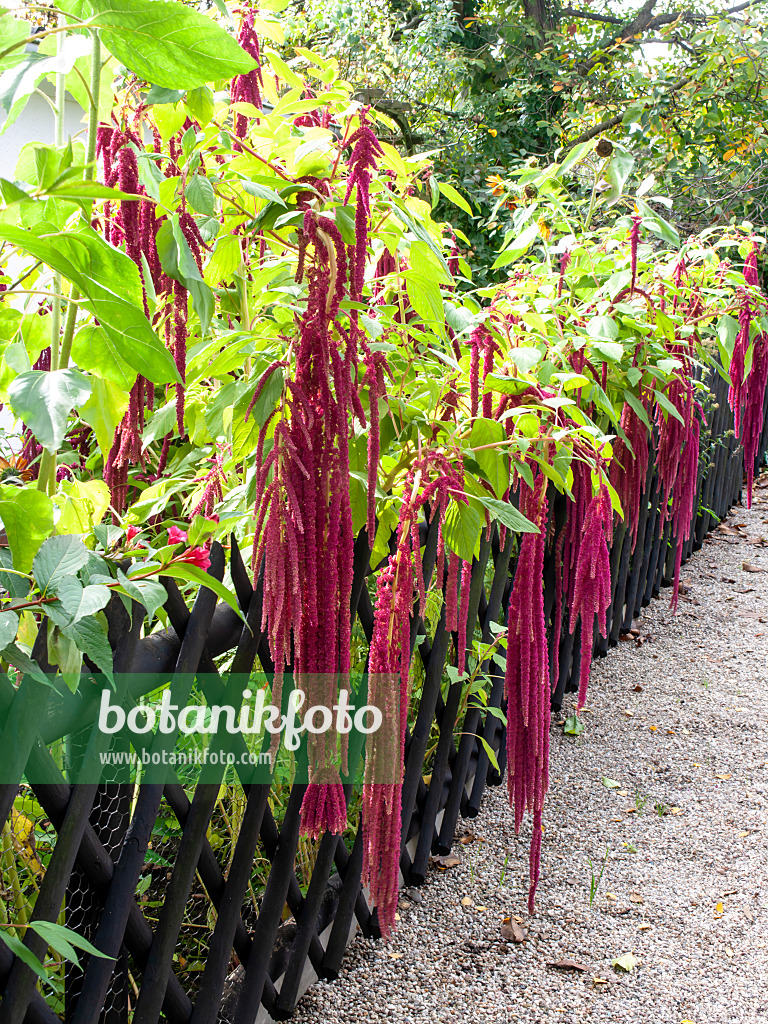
(256, 961)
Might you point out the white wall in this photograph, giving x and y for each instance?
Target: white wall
(35, 124)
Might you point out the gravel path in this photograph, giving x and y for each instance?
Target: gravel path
(677, 719)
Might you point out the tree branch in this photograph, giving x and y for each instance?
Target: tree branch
(612, 122)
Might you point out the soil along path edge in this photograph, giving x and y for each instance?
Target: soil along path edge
(667, 788)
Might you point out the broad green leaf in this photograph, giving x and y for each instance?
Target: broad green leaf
(426, 299)
(655, 223)
(104, 411)
(84, 507)
(169, 44)
(58, 557)
(611, 350)
(517, 247)
(43, 399)
(111, 284)
(507, 515)
(21, 661)
(493, 461)
(426, 265)
(90, 637)
(193, 573)
(200, 104)
(455, 197)
(150, 593)
(462, 527)
(602, 328)
(76, 601)
(27, 516)
(199, 193)
(525, 358)
(619, 169)
(638, 407)
(9, 626)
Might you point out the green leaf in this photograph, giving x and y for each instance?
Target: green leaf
(462, 527)
(611, 784)
(21, 661)
(493, 462)
(627, 963)
(573, 726)
(517, 247)
(178, 262)
(455, 197)
(200, 196)
(58, 557)
(602, 328)
(90, 638)
(27, 516)
(426, 299)
(426, 265)
(665, 404)
(200, 104)
(76, 601)
(43, 399)
(489, 749)
(18, 949)
(111, 284)
(193, 573)
(525, 358)
(104, 411)
(611, 350)
(169, 44)
(149, 593)
(55, 934)
(619, 169)
(9, 627)
(91, 351)
(658, 225)
(10, 579)
(638, 407)
(507, 515)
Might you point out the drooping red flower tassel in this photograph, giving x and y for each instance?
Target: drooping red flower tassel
(527, 680)
(247, 88)
(592, 583)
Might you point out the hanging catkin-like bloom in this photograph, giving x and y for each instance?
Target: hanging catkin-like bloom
(592, 581)
(247, 88)
(304, 524)
(527, 680)
(430, 481)
(754, 409)
(629, 467)
(634, 239)
(362, 162)
(736, 393)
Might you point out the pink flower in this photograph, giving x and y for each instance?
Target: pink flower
(176, 536)
(213, 517)
(195, 556)
(131, 533)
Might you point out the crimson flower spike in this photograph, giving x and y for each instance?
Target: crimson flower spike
(592, 589)
(362, 162)
(526, 682)
(247, 88)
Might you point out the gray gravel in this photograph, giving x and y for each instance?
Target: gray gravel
(676, 718)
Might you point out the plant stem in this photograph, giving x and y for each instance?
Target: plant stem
(90, 170)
